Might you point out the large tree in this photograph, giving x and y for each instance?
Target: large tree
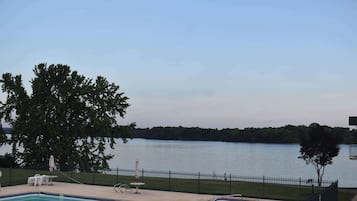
(318, 147)
(67, 115)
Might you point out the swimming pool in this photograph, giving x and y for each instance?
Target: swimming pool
(44, 197)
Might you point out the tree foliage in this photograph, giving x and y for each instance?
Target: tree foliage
(67, 115)
(319, 147)
(7, 161)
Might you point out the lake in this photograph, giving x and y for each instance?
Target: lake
(241, 159)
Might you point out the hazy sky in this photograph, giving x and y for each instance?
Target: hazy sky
(214, 63)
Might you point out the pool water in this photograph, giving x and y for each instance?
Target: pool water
(43, 197)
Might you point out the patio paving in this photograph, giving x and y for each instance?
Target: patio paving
(105, 192)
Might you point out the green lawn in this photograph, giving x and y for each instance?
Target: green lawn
(346, 195)
(205, 186)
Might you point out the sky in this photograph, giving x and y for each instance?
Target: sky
(211, 64)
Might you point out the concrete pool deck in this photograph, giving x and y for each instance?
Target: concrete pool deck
(106, 192)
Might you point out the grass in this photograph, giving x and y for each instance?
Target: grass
(204, 186)
(345, 194)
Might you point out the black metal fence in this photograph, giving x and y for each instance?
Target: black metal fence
(219, 184)
(329, 193)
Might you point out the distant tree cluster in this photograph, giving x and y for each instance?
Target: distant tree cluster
(286, 134)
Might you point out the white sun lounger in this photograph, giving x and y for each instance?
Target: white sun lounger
(38, 180)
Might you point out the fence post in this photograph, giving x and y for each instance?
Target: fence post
(142, 175)
(10, 175)
(335, 186)
(230, 183)
(299, 188)
(117, 175)
(263, 185)
(93, 179)
(169, 180)
(198, 183)
(71, 179)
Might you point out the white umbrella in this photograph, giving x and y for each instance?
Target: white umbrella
(51, 163)
(137, 174)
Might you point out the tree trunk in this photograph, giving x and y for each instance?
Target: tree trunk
(318, 178)
(14, 147)
(320, 173)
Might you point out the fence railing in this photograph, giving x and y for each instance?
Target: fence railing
(219, 184)
(329, 193)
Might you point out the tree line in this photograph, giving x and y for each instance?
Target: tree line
(284, 135)
(288, 134)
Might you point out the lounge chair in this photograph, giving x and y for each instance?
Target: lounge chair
(37, 179)
(119, 187)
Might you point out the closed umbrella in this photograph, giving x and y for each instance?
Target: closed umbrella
(137, 168)
(51, 163)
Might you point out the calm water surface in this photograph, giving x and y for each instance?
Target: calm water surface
(244, 159)
(241, 159)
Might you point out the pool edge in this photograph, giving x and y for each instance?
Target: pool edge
(58, 194)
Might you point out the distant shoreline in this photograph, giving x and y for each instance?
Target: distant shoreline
(288, 134)
(293, 143)
(281, 135)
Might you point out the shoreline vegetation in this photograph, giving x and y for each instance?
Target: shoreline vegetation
(281, 135)
(288, 134)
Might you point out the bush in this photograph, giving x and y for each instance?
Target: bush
(7, 161)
